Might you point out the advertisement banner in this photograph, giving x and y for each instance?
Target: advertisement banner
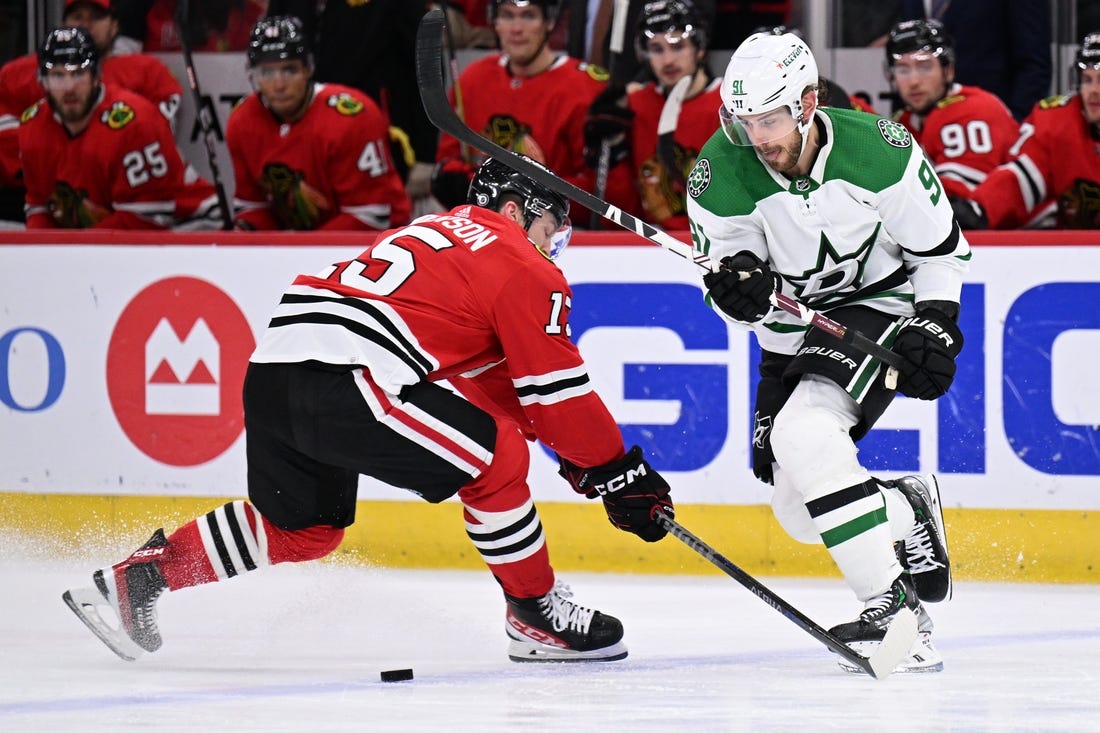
(121, 369)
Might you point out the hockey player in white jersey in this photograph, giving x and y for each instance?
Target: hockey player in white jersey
(841, 211)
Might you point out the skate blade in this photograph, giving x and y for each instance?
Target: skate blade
(530, 651)
(86, 603)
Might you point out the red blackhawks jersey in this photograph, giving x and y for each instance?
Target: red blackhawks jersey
(331, 169)
(462, 296)
(662, 198)
(1054, 178)
(541, 116)
(20, 88)
(123, 170)
(966, 135)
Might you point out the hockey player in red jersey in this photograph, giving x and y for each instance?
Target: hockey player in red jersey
(529, 99)
(1054, 177)
(308, 155)
(672, 39)
(966, 131)
(344, 382)
(140, 73)
(94, 154)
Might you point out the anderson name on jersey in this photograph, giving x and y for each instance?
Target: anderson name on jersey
(870, 224)
(504, 326)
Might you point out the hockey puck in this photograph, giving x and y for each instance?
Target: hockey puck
(397, 675)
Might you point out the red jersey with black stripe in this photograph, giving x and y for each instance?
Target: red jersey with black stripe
(463, 296)
(967, 134)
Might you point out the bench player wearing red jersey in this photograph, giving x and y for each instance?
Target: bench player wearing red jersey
(94, 154)
(672, 39)
(140, 73)
(965, 130)
(529, 99)
(308, 155)
(344, 382)
(1053, 178)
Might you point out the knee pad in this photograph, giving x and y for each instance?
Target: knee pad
(789, 508)
(811, 439)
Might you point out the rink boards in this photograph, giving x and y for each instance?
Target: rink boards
(121, 364)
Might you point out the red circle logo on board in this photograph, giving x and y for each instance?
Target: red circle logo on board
(175, 369)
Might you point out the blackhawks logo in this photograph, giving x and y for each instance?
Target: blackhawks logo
(29, 113)
(699, 178)
(345, 104)
(894, 133)
(118, 116)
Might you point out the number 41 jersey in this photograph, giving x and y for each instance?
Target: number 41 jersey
(869, 225)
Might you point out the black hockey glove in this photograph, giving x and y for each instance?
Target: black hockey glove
(451, 181)
(608, 119)
(969, 214)
(929, 342)
(742, 288)
(631, 491)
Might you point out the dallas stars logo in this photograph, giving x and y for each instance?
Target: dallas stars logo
(699, 178)
(833, 273)
(894, 133)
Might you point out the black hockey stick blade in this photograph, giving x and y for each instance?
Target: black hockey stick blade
(666, 128)
(433, 94)
(895, 645)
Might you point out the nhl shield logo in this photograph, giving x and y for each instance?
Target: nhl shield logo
(699, 178)
(894, 133)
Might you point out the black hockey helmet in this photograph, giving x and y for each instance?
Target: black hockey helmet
(1087, 57)
(495, 180)
(70, 47)
(661, 17)
(920, 36)
(278, 38)
(550, 8)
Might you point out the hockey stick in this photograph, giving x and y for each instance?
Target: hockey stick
(894, 647)
(429, 76)
(618, 32)
(452, 60)
(666, 128)
(203, 113)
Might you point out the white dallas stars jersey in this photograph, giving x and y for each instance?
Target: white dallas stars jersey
(869, 225)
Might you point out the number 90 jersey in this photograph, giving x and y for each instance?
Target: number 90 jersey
(463, 296)
(869, 225)
(967, 134)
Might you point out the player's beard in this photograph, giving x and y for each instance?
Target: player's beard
(73, 112)
(788, 160)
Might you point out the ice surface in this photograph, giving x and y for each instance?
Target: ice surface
(300, 648)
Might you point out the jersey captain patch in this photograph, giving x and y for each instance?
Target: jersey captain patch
(699, 178)
(895, 133)
(117, 116)
(345, 104)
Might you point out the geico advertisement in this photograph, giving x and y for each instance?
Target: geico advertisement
(121, 370)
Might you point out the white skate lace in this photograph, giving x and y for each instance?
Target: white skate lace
(880, 607)
(565, 614)
(918, 550)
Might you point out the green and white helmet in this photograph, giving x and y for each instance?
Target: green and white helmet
(767, 73)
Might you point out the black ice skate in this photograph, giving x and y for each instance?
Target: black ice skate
(924, 551)
(554, 629)
(866, 632)
(130, 589)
